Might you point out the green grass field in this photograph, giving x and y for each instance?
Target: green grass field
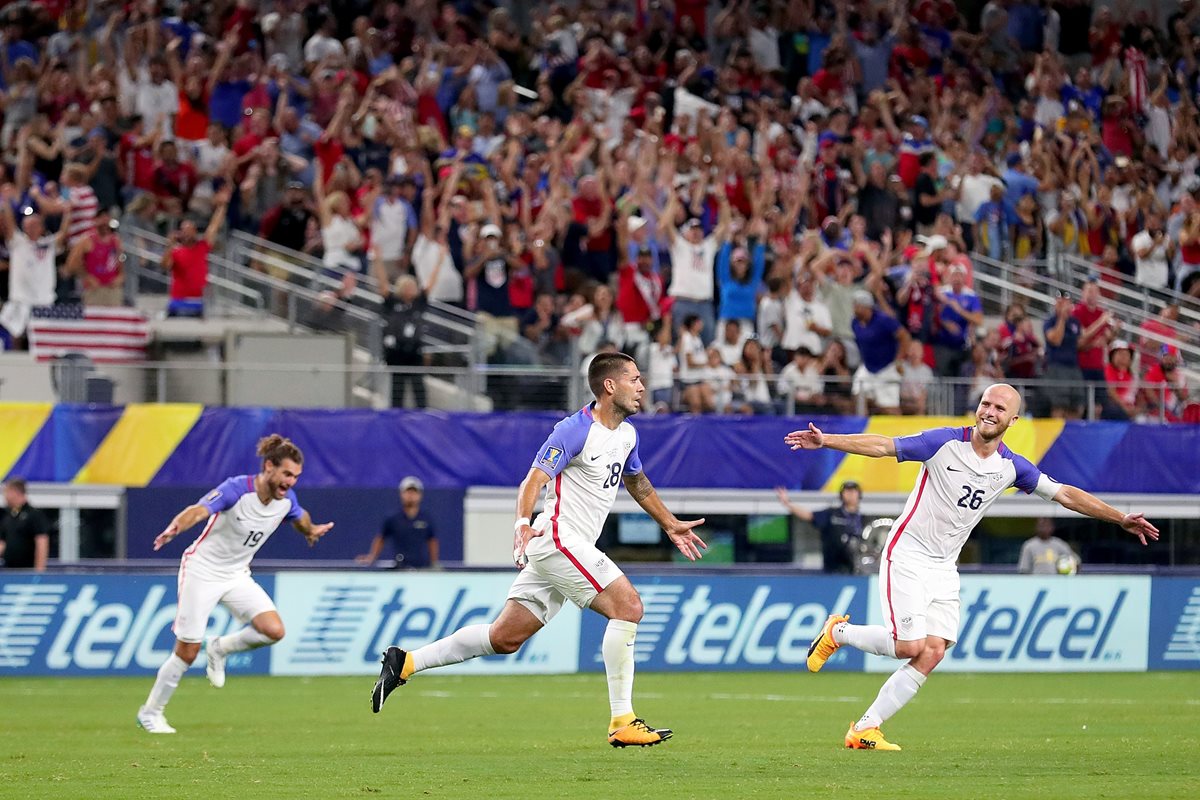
(765, 735)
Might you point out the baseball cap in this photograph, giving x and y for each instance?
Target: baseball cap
(863, 298)
(636, 224)
(412, 482)
(691, 223)
(296, 185)
(1119, 344)
(933, 243)
(489, 230)
(849, 485)
(917, 119)
(645, 250)
(1014, 159)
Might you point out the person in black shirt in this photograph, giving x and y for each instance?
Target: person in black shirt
(24, 532)
(286, 224)
(411, 531)
(840, 526)
(404, 310)
(927, 199)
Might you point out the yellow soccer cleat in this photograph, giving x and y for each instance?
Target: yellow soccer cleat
(634, 732)
(870, 739)
(824, 646)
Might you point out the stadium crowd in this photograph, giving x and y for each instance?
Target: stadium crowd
(771, 204)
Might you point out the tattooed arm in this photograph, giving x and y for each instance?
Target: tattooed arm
(679, 532)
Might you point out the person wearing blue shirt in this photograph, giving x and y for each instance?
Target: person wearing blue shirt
(1062, 331)
(959, 310)
(410, 530)
(1019, 183)
(879, 338)
(739, 276)
(993, 222)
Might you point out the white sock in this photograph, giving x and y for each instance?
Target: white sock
(896, 691)
(874, 639)
(168, 678)
(464, 644)
(245, 639)
(617, 649)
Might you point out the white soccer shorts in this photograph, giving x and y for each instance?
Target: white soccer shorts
(577, 573)
(198, 596)
(917, 602)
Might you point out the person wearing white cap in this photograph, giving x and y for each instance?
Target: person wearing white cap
(410, 530)
(693, 258)
(1122, 399)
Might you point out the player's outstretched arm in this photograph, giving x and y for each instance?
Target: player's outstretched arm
(1078, 500)
(679, 532)
(183, 520)
(312, 533)
(862, 444)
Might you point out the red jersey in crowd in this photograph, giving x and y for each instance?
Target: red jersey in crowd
(639, 295)
(1091, 357)
(138, 161)
(189, 270)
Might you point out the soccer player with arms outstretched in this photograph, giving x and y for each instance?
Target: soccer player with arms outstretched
(583, 462)
(964, 470)
(242, 514)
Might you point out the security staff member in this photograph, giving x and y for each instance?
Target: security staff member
(840, 526)
(24, 532)
(411, 531)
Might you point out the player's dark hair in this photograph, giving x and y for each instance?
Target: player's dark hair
(605, 366)
(275, 448)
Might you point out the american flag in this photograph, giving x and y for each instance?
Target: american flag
(106, 335)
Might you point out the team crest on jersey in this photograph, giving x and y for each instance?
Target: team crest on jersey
(551, 457)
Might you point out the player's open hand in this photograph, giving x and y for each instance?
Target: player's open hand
(811, 439)
(688, 543)
(315, 532)
(1139, 526)
(169, 533)
(521, 539)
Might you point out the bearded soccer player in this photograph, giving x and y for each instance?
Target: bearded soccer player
(242, 514)
(964, 470)
(583, 462)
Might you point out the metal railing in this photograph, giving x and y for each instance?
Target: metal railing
(999, 283)
(450, 330)
(1077, 270)
(497, 387)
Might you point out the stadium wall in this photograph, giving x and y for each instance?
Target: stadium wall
(186, 445)
(339, 622)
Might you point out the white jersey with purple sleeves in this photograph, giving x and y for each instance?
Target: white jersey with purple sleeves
(240, 524)
(953, 492)
(586, 461)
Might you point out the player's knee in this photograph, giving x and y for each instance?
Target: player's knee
(272, 630)
(934, 653)
(187, 651)
(909, 648)
(632, 609)
(506, 642)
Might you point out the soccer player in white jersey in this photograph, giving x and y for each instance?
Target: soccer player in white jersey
(242, 514)
(963, 471)
(583, 462)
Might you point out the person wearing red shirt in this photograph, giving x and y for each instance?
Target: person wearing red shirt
(640, 297)
(174, 180)
(1097, 327)
(1122, 401)
(1164, 388)
(136, 152)
(187, 261)
(592, 209)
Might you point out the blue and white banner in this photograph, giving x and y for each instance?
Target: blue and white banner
(1175, 634)
(99, 625)
(732, 623)
(1015, 623)
(339, 623)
